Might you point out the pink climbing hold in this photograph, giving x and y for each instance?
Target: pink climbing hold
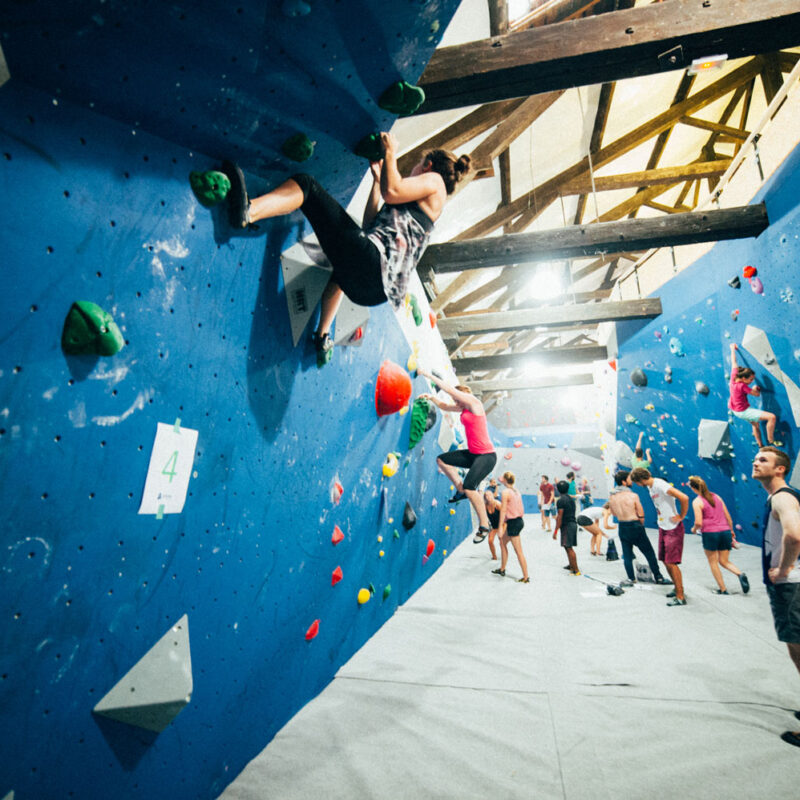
(756, 285)
(565, 461)
(425, 560)
(517, 444)
(430, 548)
(337, 535)
(336, 576)
(313, 630)
(508, 456)
(392, 389)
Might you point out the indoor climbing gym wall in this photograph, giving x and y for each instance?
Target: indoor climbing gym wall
(201, 525)
(674, 371)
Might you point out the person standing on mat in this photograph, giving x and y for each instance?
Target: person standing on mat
(479, 458)
(670, 526)
(711, 517)
(511, 525)
(567, 524)
(491, 500)
(546, 492)
(780, 551)
(589, 520)
(627, 508)
(371, 264)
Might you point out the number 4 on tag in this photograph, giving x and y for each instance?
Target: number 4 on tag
(170, 468)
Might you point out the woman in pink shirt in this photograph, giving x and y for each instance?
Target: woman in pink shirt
(741, 378)
(712, 518)
(479, 458)
(511, 524)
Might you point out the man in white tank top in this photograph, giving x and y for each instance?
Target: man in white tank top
(781, 553)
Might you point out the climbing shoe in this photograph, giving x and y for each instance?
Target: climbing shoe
(677, 601)
(498, 571)
(457, 497)
(324, 347)
(744, 583)
(238, 201)
(480, 535)
(523, 580)
(721, 591)
(662, 581)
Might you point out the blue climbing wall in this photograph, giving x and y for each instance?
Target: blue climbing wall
(98, 208)
(715, 316)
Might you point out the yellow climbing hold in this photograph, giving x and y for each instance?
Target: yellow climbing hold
(446, 528)
(380, 553)
(403, 411)
(363, 596)
(444, 553)
(390, 466)
(452, 511)
(380, 538)
(649, 407)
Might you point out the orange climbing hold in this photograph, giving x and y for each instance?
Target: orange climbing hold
(613, 364)
(336, 576)
(432, 318)
(392, 389)
(313, 630)
(337, 535)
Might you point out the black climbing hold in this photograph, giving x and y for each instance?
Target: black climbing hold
(89, 330)
(735, 283)
(638, 377)
(298, 147)
(370, 147)
(409, 517)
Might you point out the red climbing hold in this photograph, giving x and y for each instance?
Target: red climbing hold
(749, 271)
(430, 548)
(337, 535)
(392, 389)
(613, 364)
(313, 630)
(337, 490)
(336, 576)
(357, 334)
(432, 318)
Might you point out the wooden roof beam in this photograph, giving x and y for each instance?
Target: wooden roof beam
(607, 47)
(597, 239)
(550, 316)
(552, 355)
(521, 384)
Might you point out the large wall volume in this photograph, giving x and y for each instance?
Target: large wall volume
(689, 345)
(98, 209)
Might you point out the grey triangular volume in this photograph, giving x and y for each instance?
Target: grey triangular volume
(713, 439)
(5, 76)
(9, 796)
(757, 343)
(157, 687)
(304, 282)
(349, 318)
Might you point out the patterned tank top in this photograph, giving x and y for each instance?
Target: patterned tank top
(400, 233)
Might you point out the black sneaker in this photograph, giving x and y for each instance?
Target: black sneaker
(238, 201)
(498, 571)
(677, 602)
(457, 497)
(744, 583)
(662, 581)
(670, 594)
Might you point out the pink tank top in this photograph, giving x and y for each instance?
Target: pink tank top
(478, 440)
(514, 507)
(714, 518)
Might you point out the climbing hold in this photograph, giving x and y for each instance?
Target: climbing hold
(434, 503)
(613, 364)
(295, 8)
(508, 456)
(735, 283)
(432, 319)
(337, 490)
(390, 520)
(552, 445)
(576, 465)
(402, 98)
(649, 407)
(657, 334)
(638, 377)
(210, 187)
(379, 538)
(390, 465)
(430, 548)
(452, 511)
(757, 286)
(517, 444)
(565, 460)
(411, 364)
(298, 147)
(363, 596)
(403, 411)
(357, 334)
(392, 389)
(735, 314)
(425, 560)
(787, 295)
(446, 528)
(370, 147)
(749, 272)
(380, 553)
(416, 311)
(88, 330)
(387, 590)
(313, 630)
(423, 418)
(336, 576)
(396, 534)
(409, 517)
(676, 347)
(337, 535)
(701, 388)
(629, 418)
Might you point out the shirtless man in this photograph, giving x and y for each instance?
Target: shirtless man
(627, 508)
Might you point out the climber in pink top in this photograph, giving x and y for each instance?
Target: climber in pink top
(479, 458)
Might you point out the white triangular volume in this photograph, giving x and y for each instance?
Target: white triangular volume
(157, 687)
(623, 454)
(304, 282)
(446, 433)
(712, 439)
(793, 393)
(349, 319)
(755, 341)
(9, 796)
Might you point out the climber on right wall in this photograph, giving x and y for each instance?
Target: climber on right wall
(741, 378)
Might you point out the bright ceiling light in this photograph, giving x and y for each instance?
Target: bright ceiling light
(709, 62)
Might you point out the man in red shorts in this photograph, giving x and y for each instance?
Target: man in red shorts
(670, 526)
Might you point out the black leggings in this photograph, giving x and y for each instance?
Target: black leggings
(355, 259)
(632, 534)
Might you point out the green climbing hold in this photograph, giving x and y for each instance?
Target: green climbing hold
(416, 311)
(387, 590)
(298, 147)
(370, 147)
(371, 588)
(423, 418)
(324, 357)
(402, 98)
(210, 188)
(396, 534)
(88, 330)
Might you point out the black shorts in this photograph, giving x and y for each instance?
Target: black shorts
(356, 261)
(494, 518)
(478, 464)
(514, 526)
(717, 540)
(784, 599)
(569, 534)
(584, 521)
